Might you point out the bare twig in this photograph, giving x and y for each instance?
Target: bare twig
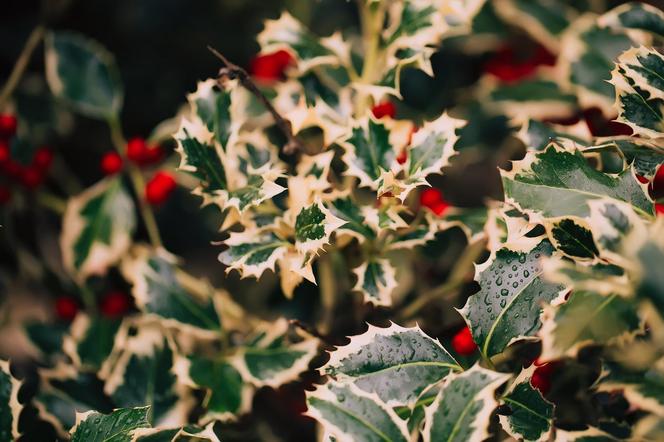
(21, 64)
(233, 71)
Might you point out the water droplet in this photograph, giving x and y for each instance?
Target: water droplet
(515, 284)
(503, 303)
(526, 273)
(499, 281)
(504, 292)
(514, 267)
(522, 259)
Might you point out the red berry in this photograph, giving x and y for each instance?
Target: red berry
(430, 196)
(66, 308)
(42, 158)
(600, 126)
(13, 169)
(153, 154)
(32, 177)
(659, 209)
(136, 148)
(5, 152)
(541, 381)
(115, 304)
(8, 124)
(642, 179)
(271, 67)
(509, 68)
(403, 156)
(463, 342)
(439, 208)
(111, 163)
(384, 109)
(159, 188)
(5, 194)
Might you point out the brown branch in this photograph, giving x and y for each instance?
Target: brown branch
(233, 71)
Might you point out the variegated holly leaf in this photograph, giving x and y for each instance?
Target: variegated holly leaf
(350, 414)
(651, 278)
(573, 238)
(537, 135)
(63, 391)
(591, 434)
(189, 433)
(140, 371)
(396, 363)
(643, 389)
(309, 50)
(430, 150)
(354, 215)
(9, 404)
(643, 155)
(534, 98)
(512, 291)
(253, 252)
(117, 426)
(376, 281)
(158, 293)
(83, 74)
(561, 183)
(471, 221)
(313, 227)
(635, 15)
(413, 25)
(639, 83)
(212, 106)
(97, 228)
(544, 20)
(415, 414)
(368, 152)
(604, 279)
(463, 407)
(90, 340)
(415, 235)
(531, 418)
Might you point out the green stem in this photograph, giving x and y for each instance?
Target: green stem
(52, 202)
(21, 65)
(328, 288)
(138, 182)
(372, 16)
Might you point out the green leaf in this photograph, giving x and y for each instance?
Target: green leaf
(90, 340)
(396, 363)
(544, 20)
(213, 107)
(635, 15)
(472, 221)
(463, 407)
(537, 135)
(650, 255)
(10, 408)
(349, 414)
(536, 98)
(639, 84)
(158, 292)
(115, 427)
(508, 305)
(253, 252)
(188, 433)
(140, 371)
(644, 389)
(368, 153)
(97, 228)
(645, 157)
(560, 183)
(314, 225)
(572, 239)
(587, 318)
(531, 418)
(376, 281)
(83, 74)
(354, 215)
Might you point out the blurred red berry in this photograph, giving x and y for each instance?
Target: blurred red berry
(642, 179)
(384, 109)
(8, 124)
(510, 67)
(159, 188)
(5, 194)
(115, 304)
(439, 208)
(659, 209)
(5, 152)
(136, 148)
(66, 307)
(12, 169)
(43, 158)
(463, 342)
(403, 156)
(600, 126)
(541, 381)
(111, 163)
(153, 154)
(430, 196)
(32, 177)
(271, 67)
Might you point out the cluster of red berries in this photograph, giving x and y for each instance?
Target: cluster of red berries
(30, 176)
(507, 65)
(541, 378)
(268, 68)
(432, 199)
(113, 305)
(139, 152)
(463, 342)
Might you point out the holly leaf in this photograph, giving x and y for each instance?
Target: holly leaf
(97, 228)
(464, 403)
(117, 426)
(561, 183)
(140, 371)
(591, 434)
(83, 74)
(512, 291)
(252, 252)
(376, 281)
(368, 152)
(531, 418)
(212, 106)
(10, 408)
(537, 135)
(395, 363)
(639, 85)
(188, 433)
(349, 414)
(472, 221)
(635, 15)
(644, 389)
(536, 98)
(90, 340)
(313, 227)
(158, 293)
(354, 215)
(644, 156)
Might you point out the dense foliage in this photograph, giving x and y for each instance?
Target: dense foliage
(319, 179)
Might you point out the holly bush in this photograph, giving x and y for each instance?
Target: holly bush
(327, 181)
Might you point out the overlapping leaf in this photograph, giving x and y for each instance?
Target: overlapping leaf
(117, 426)
(9, 404)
